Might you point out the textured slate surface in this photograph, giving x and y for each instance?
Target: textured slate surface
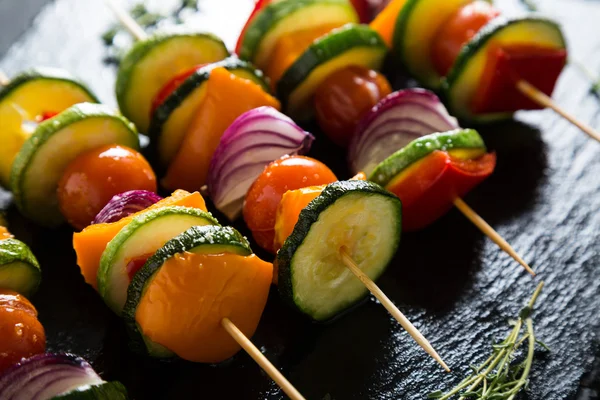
(450, 281)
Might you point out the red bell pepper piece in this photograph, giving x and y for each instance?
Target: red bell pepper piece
(134, 265)
(428, 188)
(259, 5)
(171, 86)
(505, 66)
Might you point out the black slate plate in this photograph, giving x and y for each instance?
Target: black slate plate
(454, 284)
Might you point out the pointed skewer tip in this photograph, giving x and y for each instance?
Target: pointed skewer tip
(490, 232)
(390, 307)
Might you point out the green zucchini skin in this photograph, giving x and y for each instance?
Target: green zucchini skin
(44, 73)
(325, 49)
(104, 391)
(481, 39)
(51, 216)
(163, 111)
(141, 49)
(425, 74)
(209, 239)
(14, 253)
(143, 224)
(419, 148)
(309, 216)
(179, 95)
(277, 12)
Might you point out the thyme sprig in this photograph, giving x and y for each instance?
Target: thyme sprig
(500, 377)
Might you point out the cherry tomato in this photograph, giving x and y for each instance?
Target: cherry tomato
(170, 87)
(264, 196)
(428, 187)
(457, 31)
(21, 332)
(345, 97)
(94, 177)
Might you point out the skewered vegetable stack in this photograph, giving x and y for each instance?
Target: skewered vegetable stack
(173, 273)
(65, 156)
(300, 43)
(473, 54)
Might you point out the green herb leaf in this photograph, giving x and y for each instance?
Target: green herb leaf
(525, 312)
(108, 37)
(542, 344)
(501, 377)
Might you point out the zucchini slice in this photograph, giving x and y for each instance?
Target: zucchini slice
(416, 28)
(199, 240)
(465, 76)
(151, 63)
(40, 163)
(171, 120)
(360, 215)
(25, 100)
(145, 234)
(284, 17)
(348, 45)
(467, 141)
(19, 269)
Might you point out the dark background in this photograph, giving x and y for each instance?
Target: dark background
(454, 284)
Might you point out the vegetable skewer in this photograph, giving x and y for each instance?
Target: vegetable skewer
(229, 326)
(412, 333)
(26, 104)
(286, 190)
(415, 113)
(491, 66)
(342, 92)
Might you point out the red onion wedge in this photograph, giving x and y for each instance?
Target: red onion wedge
(56, 376)
(255, 139)
(395, 121)
(124, 204)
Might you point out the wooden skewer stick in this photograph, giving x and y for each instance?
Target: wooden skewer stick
(541, 98)
(4, 79)
(490, 232)
(261, 360)
(391, 307)
(128, 22)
